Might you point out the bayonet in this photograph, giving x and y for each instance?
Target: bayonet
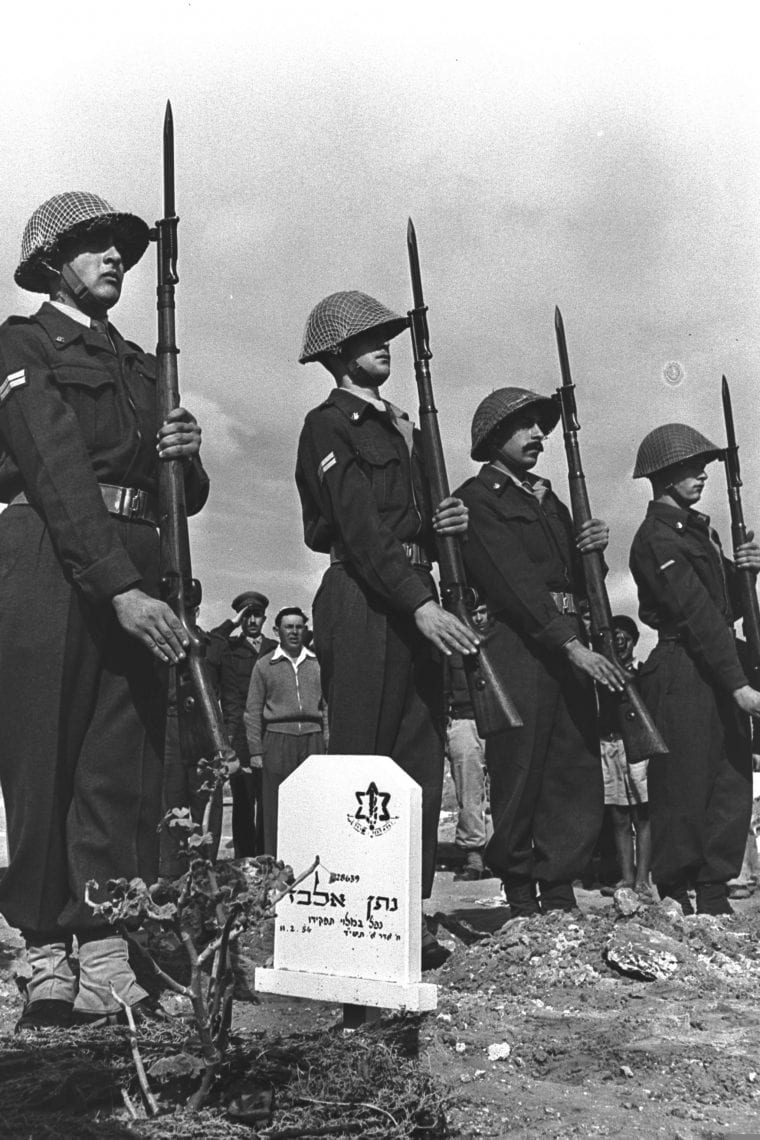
(639, 732)
(494, 709)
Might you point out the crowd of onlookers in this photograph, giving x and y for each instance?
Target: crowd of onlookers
(275, 715)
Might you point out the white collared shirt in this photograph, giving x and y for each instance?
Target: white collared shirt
(294, 661)
(531, 484)
(75, 314)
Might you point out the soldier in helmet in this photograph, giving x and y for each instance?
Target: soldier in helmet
(700, 794)
(523, 555)
(376, 615)
(82, 631)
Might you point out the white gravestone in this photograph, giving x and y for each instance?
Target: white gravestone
(351, 931)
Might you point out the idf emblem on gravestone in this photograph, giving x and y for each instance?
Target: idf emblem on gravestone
(351, 931)
(372, 817)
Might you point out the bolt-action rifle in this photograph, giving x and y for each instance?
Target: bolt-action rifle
(640, 736)
(494, 709)
(746, 578)
(202, 730)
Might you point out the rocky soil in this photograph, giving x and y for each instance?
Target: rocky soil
(619, 1021)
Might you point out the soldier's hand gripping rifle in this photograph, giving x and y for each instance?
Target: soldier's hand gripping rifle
(202, 730)
(640, 736)
(746, 578)
(494, 709)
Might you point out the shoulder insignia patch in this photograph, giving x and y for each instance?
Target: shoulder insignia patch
(12, 380)
(328, 462)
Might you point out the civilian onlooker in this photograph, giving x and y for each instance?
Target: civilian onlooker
(284, 714)
(467, 758)
(625, 785)
(235, 647)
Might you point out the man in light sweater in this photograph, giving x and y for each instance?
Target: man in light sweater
(284, 714)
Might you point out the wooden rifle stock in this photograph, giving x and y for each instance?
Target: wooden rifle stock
(746, 579)
(494, 709)
(639, 732)
(201, 725)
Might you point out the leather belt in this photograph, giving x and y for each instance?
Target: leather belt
(412, 550)
(124, 502)
(565, 603)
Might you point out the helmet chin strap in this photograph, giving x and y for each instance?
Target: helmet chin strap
(75, 284)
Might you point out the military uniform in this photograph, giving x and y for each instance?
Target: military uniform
(700, 793)
(365, 502)
(234, 657)
(546, 788)
(80, 703)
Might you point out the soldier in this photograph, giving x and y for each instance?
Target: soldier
(693, 682)
(524, 557)
(376, 615)
(234, 648)
(81, 629)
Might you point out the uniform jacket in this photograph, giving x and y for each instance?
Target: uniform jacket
(286, 699)
(363, 491)
(233, 659)
(518, 551)
(686, 589)
(75, 411)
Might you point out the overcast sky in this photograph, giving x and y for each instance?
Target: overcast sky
(610, 165)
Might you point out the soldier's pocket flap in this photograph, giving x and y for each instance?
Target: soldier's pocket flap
(147, 367)
(375, 454)
(522, 512)
(83, 377)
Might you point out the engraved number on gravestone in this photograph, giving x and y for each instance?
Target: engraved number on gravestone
(372, 817)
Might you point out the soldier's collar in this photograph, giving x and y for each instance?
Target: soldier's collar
(678, 517)
(62, 329)
(356, 409)
(496, 478)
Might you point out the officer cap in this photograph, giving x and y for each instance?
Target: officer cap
(622, 621)
(73, 215)
(502, 403)
(671, 444)
(342, 315)
(250, 600)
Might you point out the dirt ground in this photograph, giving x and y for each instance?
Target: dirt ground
(537, 1033)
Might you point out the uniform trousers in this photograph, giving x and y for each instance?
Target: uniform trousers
(384, 691)
(700, 794)
(82, 715)
(282, 753)
(547, 798)
(247, 808)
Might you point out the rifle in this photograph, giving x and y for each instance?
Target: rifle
(638, 730)
(494, 709)
(746, 577)
(202, 730)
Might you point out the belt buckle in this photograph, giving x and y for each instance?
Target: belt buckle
(131, 502)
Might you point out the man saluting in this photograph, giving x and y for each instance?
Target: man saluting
(81, 628)
(376, 615)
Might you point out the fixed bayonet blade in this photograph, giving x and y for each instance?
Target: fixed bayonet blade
(732, 451)
(168, 162)
(565, 394)
(414, 265)
(564, 362)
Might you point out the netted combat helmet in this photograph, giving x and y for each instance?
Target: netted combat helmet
(502, 403)
(73, 215)
(342, 315)
(671, 444)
